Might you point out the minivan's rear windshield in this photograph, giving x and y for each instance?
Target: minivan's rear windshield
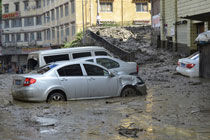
(33, 62)
(45, 68)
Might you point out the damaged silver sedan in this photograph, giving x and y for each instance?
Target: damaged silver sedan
(72, 80)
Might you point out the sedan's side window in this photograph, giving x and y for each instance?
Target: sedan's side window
(70, 70)
(90, 60)
(107, 63)
(93, 70)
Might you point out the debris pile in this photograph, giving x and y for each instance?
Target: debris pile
(133, 39)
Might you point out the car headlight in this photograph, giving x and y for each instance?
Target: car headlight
(140, 81)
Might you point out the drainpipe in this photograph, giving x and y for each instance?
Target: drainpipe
(122, 11)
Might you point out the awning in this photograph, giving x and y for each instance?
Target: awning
(200, 17)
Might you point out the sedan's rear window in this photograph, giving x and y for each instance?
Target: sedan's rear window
(45, 68)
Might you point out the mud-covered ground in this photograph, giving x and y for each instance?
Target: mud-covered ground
(175, 108)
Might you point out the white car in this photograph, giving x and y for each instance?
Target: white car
(189, 66)
(114, 64)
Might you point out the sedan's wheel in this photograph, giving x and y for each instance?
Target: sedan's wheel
(56, 97)
(129, 91)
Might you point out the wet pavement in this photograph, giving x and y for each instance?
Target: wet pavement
(175, 108)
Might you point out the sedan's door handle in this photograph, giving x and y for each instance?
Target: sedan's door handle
(63, 79)
(91, 78)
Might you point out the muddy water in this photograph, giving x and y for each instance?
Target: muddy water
(175, 108)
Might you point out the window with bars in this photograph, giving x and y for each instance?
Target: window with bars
(141, 7)
(106, 6)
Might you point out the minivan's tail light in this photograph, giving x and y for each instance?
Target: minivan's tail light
(178, 63)
(29, 81)
(189, 66)
(137, 68)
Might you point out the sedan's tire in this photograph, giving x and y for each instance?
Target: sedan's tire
(56, 96)
(128, 91)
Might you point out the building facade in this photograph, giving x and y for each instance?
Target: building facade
(30, 25)
(181, 22)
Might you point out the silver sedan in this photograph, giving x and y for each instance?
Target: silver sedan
(114, 64)
(71, 80)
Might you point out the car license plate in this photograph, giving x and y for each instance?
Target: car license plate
(17, 82)
(182, 65)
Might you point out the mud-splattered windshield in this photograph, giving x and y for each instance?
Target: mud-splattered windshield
(45, 68)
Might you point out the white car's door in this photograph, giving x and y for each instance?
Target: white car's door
(100, 84)
(73, 81)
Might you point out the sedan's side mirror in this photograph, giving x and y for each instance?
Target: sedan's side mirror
(111, 74)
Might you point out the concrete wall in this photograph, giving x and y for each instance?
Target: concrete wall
(192, 7)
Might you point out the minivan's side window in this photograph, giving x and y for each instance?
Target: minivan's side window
(107, 63)
(54, 58)
(79, 55)
(93, 70)
(70, 70)
(101, 53)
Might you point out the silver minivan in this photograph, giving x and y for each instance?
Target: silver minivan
(41, 58)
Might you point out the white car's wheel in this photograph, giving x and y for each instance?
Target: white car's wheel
(128, 91)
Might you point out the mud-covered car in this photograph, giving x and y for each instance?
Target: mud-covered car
(114, 64)
(189, 66)
(74, 79)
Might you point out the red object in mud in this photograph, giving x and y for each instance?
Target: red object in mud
(29, 81)
(137, 68)
(189, 66)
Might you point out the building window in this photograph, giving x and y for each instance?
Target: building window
(13, 38)
(61, 10)
(6, 24)
(26, 37)
(48, 34)
(67, 29)
(57, 33)
(106, 6)
(38, 4)
(73, 30)
(39, 20)
(66, 9)
(29, 21)
(17, 22)
(6, 8)
(43, 3)
(141, 7)
(25, 5)
(48, 16)
(17, 6)
(57, 13)
(53, 15)
(7, 38)
(61, 32)
(18, 37)
(39, 36)
(72, 6)
(48, 2)
(31, 36)
(53, 33)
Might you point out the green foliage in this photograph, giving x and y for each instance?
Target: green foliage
(76, 42)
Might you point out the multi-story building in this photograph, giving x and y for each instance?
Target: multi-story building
(182, 21)
(30, 25)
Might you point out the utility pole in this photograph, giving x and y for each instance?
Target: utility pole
(83, 24)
